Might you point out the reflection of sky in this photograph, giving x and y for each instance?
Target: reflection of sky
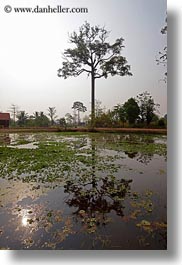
(17, 191)
(24, 220)
(26, 146)
(26, 216)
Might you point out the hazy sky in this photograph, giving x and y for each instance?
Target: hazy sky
(31, 47)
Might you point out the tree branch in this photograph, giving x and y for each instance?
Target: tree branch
(81, 71)
(100, 75)
(104, 60)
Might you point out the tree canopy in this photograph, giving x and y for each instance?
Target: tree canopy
(95, 56)
(131, 110)
(147, 107)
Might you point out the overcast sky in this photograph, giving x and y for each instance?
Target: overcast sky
(31, 47)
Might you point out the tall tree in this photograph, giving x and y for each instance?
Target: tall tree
(52, 114)
(95, 56)
(147, 107)
(132, 110)
(77, 105)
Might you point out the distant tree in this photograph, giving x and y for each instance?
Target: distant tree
(95, 56)
(30, 121)
(74, 117)
(42, 114)
(119, 114)
(36, 114)
(62, 122)
(147, 107)
(165, 117)
(101, 117)
(52, 114)
(155, 118)
(41, 119)
(86, 119)
(105, 119)
(116, 111)
(131, 110)
(69, 118)
(162, 122)
(22, 118)
(98, 108)
(77, 105)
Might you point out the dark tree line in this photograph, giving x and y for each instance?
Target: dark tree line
(135, 112)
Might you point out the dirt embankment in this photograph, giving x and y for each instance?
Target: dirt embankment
(83, 129)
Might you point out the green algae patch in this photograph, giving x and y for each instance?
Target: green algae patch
(46, 162)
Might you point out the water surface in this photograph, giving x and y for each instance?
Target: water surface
(83, 191)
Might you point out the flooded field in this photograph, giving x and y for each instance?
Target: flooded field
(83, 191)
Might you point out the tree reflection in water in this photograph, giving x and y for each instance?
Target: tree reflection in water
(145, 158)
(142, 158)
(94, 196)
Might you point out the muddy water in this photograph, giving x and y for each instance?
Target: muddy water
(83, 191)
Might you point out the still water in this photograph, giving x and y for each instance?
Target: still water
(83, 191)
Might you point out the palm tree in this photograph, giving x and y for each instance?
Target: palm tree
(52, 114)
(22, 118)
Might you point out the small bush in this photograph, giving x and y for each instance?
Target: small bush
(162, 122)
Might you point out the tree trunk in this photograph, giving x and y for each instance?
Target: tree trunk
(92, 99)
